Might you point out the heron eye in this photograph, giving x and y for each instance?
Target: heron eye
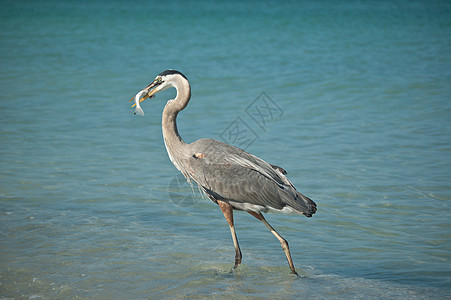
(159, 80)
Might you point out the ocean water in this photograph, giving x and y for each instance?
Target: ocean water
(352, 98)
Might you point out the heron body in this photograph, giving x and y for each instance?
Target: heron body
(243, 180)
(231, 177)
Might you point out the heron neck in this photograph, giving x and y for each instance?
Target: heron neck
(172, 139)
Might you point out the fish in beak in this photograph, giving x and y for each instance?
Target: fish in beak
(147, 92)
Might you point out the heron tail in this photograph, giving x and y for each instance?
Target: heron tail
(311, 205)
(300, 203)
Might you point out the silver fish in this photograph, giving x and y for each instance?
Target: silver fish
(138, 109)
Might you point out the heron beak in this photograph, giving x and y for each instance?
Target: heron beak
(149, 92)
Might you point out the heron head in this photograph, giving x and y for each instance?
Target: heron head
(162, 82)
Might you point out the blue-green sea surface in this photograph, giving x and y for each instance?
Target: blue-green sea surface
(352, 98)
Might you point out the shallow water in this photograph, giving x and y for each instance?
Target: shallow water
(357, 103)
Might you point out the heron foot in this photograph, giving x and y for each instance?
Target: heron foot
(238, 258)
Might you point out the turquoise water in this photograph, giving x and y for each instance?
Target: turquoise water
(91, 206)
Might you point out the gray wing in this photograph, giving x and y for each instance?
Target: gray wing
(245, 181)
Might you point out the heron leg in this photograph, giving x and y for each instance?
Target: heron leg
(282, 241)
(227, 210)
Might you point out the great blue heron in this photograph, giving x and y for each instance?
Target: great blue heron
(229, 176)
